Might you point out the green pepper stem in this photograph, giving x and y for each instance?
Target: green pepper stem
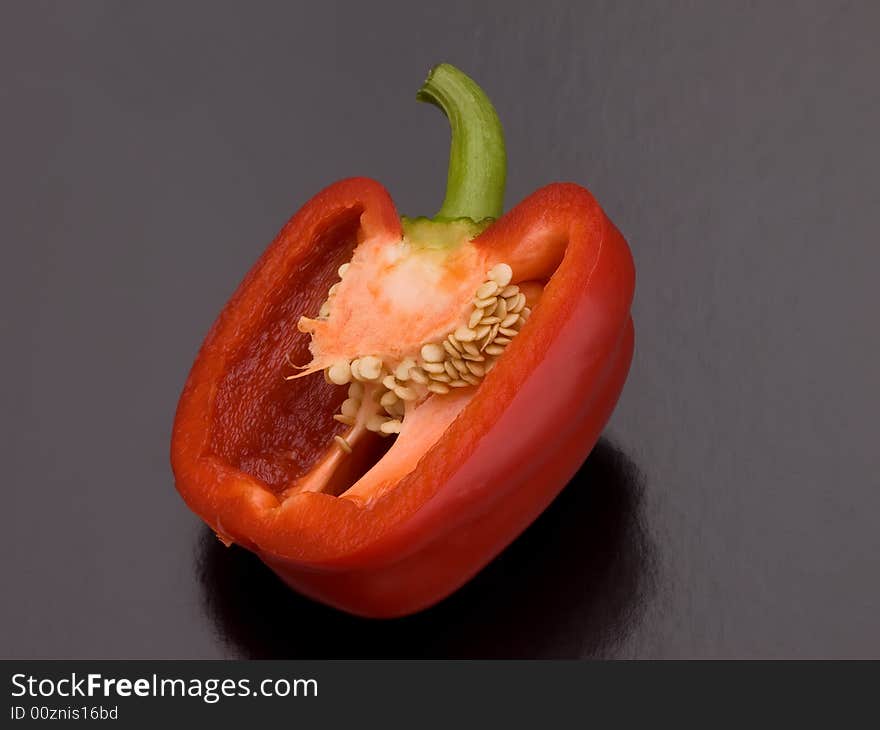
(477, 158)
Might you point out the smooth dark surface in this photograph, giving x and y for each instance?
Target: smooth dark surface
(150, 152)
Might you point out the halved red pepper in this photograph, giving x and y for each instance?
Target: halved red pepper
(254, 453)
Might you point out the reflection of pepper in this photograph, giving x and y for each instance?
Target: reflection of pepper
(492, 421)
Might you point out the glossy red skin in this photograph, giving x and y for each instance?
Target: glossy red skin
(520, 439)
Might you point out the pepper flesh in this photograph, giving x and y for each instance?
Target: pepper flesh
(514, 446)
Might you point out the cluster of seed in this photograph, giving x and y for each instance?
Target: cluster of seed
(466, 355)
(461, 360)
(367, 378)
(386, 390)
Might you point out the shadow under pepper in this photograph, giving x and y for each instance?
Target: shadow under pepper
(573, 585)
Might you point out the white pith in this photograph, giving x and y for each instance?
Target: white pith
(386, 391)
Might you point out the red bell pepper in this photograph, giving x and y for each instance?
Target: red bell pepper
(386, 532)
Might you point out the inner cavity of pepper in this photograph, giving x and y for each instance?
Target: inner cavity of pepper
(410, 395)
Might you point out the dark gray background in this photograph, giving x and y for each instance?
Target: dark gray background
(151, 151)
